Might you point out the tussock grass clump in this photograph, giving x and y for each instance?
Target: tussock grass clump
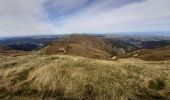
(77, 78)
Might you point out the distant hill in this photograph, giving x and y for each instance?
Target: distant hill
(155, 44)
(27, 43)
(157, 54)
(24, 46)
(90, 46)
(81, 45)
(4, 47)
(136, 43)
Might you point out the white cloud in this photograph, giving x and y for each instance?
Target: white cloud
(127, 18)
(61, 7)
(30, 17)
(23, 17)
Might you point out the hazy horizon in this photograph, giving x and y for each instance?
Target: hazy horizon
(52, 17)
(154, 33)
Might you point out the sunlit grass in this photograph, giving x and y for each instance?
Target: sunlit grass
(36, 77)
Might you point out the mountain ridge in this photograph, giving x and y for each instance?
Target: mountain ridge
(81, 45)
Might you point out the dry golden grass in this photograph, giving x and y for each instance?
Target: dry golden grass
(157, 54)
(67, 78)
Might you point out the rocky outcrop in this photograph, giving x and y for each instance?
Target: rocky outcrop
(119, 51)
(62, 50)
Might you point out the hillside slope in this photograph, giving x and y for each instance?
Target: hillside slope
(6, 50)
(80, 45)
(157, 54)
(76, 78)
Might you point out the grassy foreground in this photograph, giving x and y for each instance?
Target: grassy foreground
(37, 77)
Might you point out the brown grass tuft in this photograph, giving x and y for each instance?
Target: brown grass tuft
(75, 78)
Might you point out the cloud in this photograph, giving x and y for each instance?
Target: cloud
(34, 17)
(126, 18)
(23, 17)
(58, 8)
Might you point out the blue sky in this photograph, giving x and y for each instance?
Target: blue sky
(36, 17)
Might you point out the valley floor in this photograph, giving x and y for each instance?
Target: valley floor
(36, 77)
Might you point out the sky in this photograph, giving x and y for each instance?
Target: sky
(39, 17)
